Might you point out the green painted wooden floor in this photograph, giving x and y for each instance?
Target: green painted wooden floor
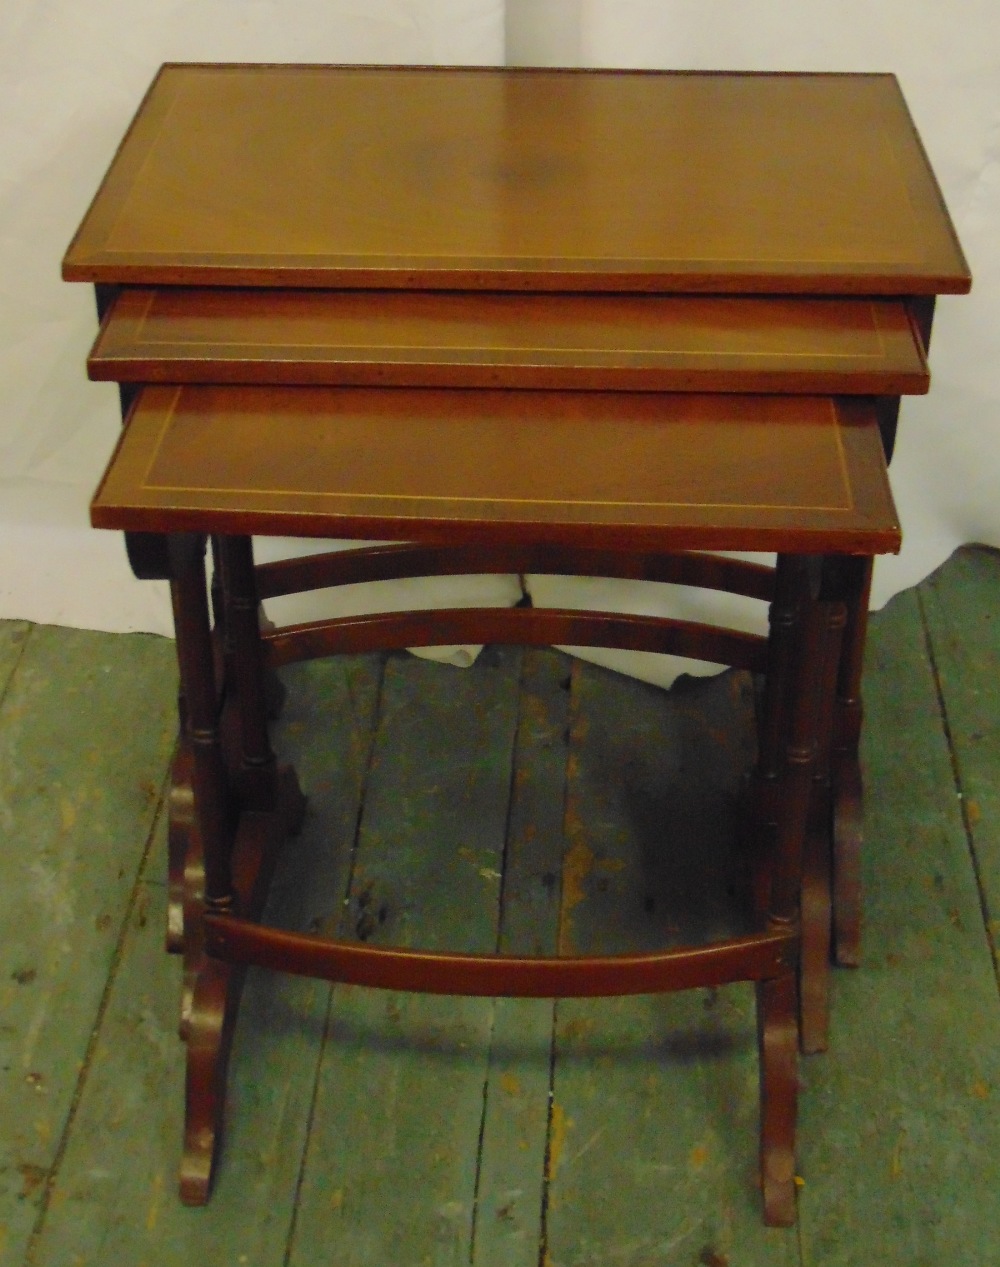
(476, 808)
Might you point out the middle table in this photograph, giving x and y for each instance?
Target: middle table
(777, 344)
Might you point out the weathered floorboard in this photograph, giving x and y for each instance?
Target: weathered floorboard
(390, 1170)
(115, 1196)
(900, 1134)
(85, 728)
(961, 604)
(654, 1143)
(515, 1124)
(14, 635)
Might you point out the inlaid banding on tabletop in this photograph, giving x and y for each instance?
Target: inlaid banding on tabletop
(474, 339)
(659, 471)
(527, 178)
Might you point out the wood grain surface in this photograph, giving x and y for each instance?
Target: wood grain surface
(523, 179)
(475, 339)
(625, 470)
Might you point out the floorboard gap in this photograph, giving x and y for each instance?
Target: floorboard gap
(12, 671)
(543, 1235)
(984, 906)
(311, 1113)
(479, 1148)
(511, 802)
(336, 930)
(498, 948)
(88, 1055)
(572, 719)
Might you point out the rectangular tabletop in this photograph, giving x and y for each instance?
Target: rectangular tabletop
(490, 339)
(521, 179)
(623, 470)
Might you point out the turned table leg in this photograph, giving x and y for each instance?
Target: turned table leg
(241, 808)
(802, 653)
(847, 787)
(213, 986)
(253, 757)
(230, 807)
(816, 908)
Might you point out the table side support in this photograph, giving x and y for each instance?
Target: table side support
(848, 812)
(213, 801)
(203, 832)
(817, 897)
(847, 782)
(802, 624)
(254, 762)
(228, 820)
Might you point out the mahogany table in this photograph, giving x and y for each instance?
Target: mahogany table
(523, 320)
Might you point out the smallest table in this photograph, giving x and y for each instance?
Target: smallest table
(612, 483)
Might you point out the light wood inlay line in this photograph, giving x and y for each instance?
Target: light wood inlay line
(152, 485)
(360, 351)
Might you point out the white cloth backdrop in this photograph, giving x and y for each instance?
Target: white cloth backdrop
(71, 76)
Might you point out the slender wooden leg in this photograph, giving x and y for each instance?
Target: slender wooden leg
(254, 757)
(222, 634)
(214, 1003)
(765, 779)
(153, 557)
(778, 1042)
(816, 910)
(181, 826)
(180, 832)
(848, 822)
(222, 616)
(814, 969)
(214, 809)
(777, 1004)
(225, 827)
(223, 598)
(848, 837)
(262, 787)
(799, 630)
(212, 986)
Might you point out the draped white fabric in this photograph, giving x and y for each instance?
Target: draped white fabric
(72, 75)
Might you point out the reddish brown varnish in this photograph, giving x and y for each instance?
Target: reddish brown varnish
(521, 180)
(477, 339)
(631, 472)
(589, 323)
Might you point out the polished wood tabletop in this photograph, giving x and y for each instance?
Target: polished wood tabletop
(525, 179)
(640, 470)
(491, 339)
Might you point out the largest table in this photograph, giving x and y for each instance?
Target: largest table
(285, 227)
